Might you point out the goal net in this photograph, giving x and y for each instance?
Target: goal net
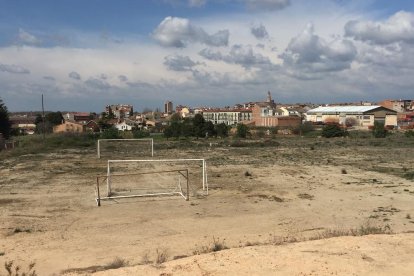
(143, 178)
(125, 148)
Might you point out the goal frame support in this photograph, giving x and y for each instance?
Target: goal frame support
(142, 139)
(182, 172)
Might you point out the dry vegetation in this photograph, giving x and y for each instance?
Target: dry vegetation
(276, 191)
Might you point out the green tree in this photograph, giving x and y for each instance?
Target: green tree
(333, 130)
(103, 124)
(54, 118)
(176, 129)
(173, 130)
(51, 119)
(176, 117)
(242, 131)
(187, 128)
(379, 130)
(222, 130)
(168, 132)
(198, 123)
(5, 124)
(208, 129)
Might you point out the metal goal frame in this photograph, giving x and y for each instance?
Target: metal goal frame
(203, 161)
(177, 191)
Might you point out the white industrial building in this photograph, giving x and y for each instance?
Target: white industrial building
(363, 116)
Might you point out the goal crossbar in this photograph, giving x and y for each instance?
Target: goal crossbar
(141, 139)
(182, 172)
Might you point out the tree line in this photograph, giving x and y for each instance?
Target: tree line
(194, 127)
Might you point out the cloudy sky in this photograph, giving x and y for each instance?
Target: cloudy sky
(84, 54)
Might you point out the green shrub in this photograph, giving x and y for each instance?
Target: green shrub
(242, 131)
(110, 133)
(409, 175)
(379, 131)
(260, 133)
(238, 144)
(304, 128)
(333, 130)
(409, 133)
(222, 130)
(140, 133)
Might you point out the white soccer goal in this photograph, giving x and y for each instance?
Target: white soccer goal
(125, 147)
(142, 178)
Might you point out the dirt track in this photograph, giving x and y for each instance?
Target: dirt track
(49, 215)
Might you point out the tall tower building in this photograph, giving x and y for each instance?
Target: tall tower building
(269, 100)
(168, 107)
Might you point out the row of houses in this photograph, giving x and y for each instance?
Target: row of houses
(262, 114)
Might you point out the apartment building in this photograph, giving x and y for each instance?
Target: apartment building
(228, 116)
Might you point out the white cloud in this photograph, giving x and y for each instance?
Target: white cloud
(310, 54)
(74, 75)
(311, 66)
(267, 5)
(259, 32)
(196, 3)
(243, 55)
(14, 69)
(179, 63)
(398, 28)
(123, 78)
(27, 38)
(179, 32)
(98, 83)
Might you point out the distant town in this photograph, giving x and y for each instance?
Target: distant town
(392, 113)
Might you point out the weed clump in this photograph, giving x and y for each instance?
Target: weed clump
(161, 256)
(15, 270)
(216, 245)
(116, 263)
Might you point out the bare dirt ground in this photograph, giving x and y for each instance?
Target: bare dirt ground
(297, 189)
(334, 256)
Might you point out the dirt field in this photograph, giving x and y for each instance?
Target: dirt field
(260, 193)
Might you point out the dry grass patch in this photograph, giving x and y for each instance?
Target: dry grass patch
(363, 230)
(306, 196)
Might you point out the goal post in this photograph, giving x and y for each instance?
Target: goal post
(120, 142)
(149, 177)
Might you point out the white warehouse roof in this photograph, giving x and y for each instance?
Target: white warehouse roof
(343, 109)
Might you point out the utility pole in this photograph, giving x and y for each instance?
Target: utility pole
(43, 119)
